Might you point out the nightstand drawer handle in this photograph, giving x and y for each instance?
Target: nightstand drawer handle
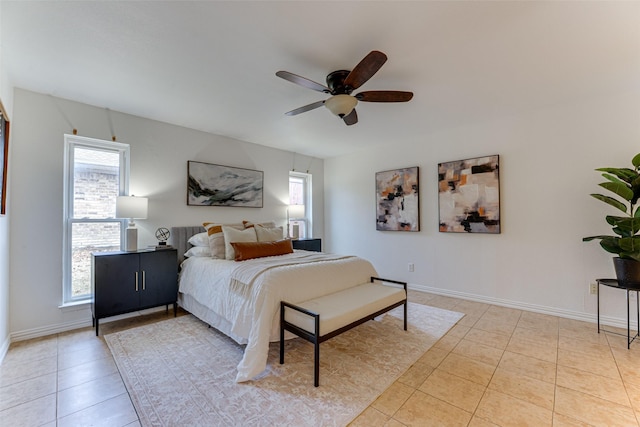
(144, 280)
(136, 281)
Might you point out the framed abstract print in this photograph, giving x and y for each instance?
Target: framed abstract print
(398, 200)
(216, 185)
(469, 195)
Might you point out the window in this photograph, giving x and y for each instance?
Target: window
(95, 173)
(300, 194)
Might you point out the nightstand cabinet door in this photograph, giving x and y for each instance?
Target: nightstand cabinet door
(308, 244)
(159, 279)
(115, 289)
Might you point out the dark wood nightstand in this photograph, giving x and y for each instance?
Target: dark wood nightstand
(130, 281)
(308, 244)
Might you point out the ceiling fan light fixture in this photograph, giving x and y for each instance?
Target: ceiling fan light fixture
(341, 105)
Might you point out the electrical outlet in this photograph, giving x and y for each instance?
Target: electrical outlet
(593, 288)
(410, 267)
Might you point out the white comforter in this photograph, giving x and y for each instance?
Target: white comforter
(248, 293)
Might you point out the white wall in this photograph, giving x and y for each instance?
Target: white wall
(547, 162)
(159, 155)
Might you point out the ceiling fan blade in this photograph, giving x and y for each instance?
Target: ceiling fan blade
(302, 81)
(305, 108)
(365, 69)
(351, 118)
(384, 96)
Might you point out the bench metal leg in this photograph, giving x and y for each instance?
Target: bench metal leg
(316, 343)
(281, 333)
(405, 315)
(316, 364)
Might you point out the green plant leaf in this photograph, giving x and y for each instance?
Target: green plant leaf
(610, 244)
(611, 201)
(630, 255)
(590, 238)
(636, 161)
(625, 174)
(635, 187)
(619, 188)
(612, 178)
(629, 244)
(629, 225)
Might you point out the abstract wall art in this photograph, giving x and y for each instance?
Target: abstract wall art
(4, 158)
(469, 195)
(397, 200)
(216, 185)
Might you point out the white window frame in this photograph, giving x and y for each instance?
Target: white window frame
(308, 206)
(70, 143)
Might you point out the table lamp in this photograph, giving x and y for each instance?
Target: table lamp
(131, 207)
(295, 212)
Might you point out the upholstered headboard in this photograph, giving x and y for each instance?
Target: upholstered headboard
(180, 236)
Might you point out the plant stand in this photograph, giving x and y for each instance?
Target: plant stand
(613, 283)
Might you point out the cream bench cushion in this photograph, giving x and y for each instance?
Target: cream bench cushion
(344, 307)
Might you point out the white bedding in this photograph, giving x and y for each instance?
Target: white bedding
(247, 294)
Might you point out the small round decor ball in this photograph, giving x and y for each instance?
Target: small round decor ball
(162, 234)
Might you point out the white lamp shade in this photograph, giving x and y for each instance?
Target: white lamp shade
(296, 211)
(341, 105)
(131, 207)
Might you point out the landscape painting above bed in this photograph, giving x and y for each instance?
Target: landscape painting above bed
(217, 185)
(469, 195)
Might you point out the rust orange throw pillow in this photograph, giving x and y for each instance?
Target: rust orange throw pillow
(250, 250)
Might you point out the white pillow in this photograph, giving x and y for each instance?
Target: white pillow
(200, 239)
(268, 234)
(234, 235)
(198, 251)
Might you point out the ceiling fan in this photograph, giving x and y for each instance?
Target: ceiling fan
(341, 83)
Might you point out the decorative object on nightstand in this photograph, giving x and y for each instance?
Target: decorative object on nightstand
(130, 281)
(314, 245)
(162, 234)
(131, 207)
(625, 184)
(296, 212)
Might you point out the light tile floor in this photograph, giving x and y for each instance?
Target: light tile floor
(496, 367)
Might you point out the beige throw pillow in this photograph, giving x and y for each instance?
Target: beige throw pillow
(234, 235)
(268, 234)
(216, 238)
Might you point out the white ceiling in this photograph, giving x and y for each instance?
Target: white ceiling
(211, 65)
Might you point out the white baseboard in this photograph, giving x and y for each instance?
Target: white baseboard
(4, 348)
(64, 327)
(43, 331)
(568, 314)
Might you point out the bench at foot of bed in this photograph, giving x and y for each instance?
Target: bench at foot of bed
(322, 318)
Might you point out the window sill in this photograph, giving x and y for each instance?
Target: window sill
(75, 306)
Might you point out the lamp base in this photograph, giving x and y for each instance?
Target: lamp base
(131, 239)
(295, 232)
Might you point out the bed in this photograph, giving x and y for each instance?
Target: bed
(242, 299)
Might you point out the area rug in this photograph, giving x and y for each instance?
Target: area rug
(180, 372)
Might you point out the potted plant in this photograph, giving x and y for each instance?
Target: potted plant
(624, 183)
